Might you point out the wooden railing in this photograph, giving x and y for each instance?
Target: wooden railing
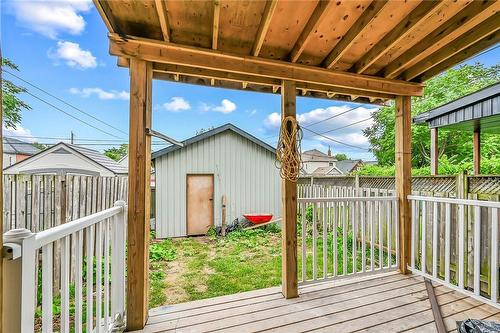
(98, 300)
(346, 236)
(445, 259)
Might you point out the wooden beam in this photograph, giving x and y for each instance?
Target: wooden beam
(348, 39)
(434, 151)
(169, 53)
(2, 326)
(420, 14)
(100, 10)
(486, 28)
(139, 175)
(311, 26)
(476, 151)
(289, 207)
(161, 9)
(264, 26)
(463, 55)
(215, 26)
(445, 32)
(403, 177)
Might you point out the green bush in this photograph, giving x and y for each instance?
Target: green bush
(162, 251)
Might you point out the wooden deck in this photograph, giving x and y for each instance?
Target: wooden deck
(388, 302)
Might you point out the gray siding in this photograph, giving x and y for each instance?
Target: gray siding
(243, 171)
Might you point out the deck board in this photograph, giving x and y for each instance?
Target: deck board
(388, 302)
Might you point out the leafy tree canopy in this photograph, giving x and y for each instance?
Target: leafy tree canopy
(11, 103)
(340, 157)
(117, 153)
(455, 146)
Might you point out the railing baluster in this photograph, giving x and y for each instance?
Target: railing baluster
(389, 233)
(413, 232)
(315, 235)
(65, 256)
(335, 247)
(354, 236)
(477, 250)
(447, 242)
(106, 274)
(304, 239)
(118, 238)
(372, 237)
(380, 235)
(325, 241)
(423, 245)
(47, 298)
(78, 282)
(344, 238)
(98, 277)
(434, 238)
(363, 237)
(461, 234)
(90, 277)
(396, 222)
(494, 255)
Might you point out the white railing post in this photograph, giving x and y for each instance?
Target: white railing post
(119, 227)
(19, 281)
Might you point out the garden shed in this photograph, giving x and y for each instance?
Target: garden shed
(225, 163)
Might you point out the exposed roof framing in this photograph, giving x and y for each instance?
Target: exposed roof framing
(348, 39)
(253, 45)
(264, 26)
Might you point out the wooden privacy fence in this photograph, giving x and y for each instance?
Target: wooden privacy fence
(40, 202)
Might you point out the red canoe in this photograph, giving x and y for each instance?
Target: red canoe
(258, 218)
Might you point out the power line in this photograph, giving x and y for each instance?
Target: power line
(72, 116)
(335, 115)
(348, 125)
(67, 138)
(334, 140)
(63, 101)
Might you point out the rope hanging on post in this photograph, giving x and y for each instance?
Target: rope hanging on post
(288, 150)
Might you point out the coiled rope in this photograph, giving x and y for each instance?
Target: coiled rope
(288, 151)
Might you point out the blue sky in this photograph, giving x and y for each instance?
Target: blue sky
(62, 47)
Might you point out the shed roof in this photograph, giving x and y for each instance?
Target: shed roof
(323, 46)
(210, 133)
(347, 166)
(479, 110)
(15, 146)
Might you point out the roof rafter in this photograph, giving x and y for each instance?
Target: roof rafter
(458, 22)
(348, 39)
(161, 9)
(484, 29)
(420, 14)
(311, 25)
(215, 26)
(465, 54)
(169, 53)
(264, 26)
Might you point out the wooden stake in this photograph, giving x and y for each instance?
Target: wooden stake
(476, 151)
(139, 194)
(289, 207)
(403, 177)
(223, 232)
(434, 151)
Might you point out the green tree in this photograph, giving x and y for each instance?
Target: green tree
(117, 153)
(340, 157)
(11, 103)
(455, 145)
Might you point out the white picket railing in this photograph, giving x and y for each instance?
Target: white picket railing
(449, 263)
(94, 244)
(328, 223)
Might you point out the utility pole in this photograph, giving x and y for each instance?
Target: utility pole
(72, 139)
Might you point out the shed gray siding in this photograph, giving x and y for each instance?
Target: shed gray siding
(243, 171)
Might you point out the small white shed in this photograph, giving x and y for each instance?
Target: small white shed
(225, 161)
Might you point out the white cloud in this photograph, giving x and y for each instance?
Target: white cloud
(73, 55)
(100, 93)
(226, 106)
(177, 104)
(50, 18)
(24, 134)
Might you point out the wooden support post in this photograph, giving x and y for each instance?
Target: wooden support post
(139, 175)
(434, 151)
(1, 203)
(403, 178)
(289, 207)
(476, 151)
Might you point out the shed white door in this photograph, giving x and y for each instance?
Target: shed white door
(200, 208)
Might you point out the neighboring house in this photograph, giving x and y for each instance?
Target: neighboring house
(192, 180)
(315, 162)
(64, 158)
(15, 150)
(349, 166)
(124, 161)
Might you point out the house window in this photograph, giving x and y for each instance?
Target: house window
(330, 163)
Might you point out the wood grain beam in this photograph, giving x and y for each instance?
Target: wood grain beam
(289, 281)
(420, 14)
(215, 25)
(169, 53)
(161, 9)
(461, 56)
(100, 10)
(403, 177)
(486, 28)
(139, 175)
(442, 35)
(312, 24)
(354, 31)
(264, 26)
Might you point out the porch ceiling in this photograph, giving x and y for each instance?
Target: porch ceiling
(377, 45)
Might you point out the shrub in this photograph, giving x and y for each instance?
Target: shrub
(162, 251)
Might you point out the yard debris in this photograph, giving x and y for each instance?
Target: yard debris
(477, 326)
